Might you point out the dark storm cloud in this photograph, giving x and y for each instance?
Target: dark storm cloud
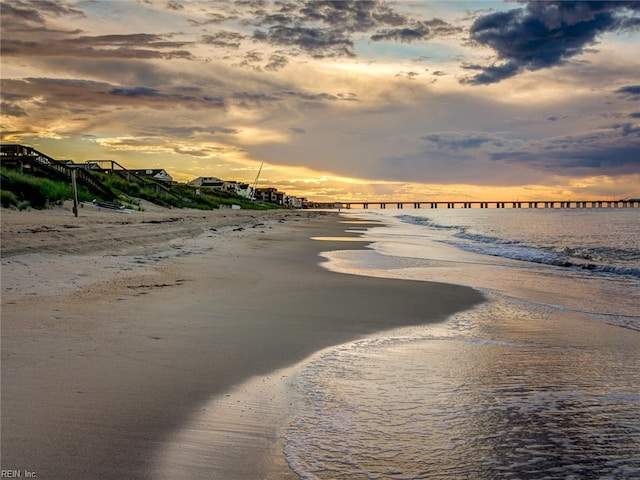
(546, 34)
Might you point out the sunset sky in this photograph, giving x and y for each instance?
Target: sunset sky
(345, 100)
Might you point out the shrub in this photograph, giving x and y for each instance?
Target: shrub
(9, 199)
(37, 192)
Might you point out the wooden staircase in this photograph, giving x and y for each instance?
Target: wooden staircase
(24, 157)
(112, 166)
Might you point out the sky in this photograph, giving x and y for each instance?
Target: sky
(339, 100)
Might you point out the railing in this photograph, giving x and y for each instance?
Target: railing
(29, 157)
(115, 167)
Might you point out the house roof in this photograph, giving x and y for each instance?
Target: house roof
(149, 171)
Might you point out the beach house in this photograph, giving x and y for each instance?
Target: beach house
(158, 174)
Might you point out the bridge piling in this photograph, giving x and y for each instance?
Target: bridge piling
(581, 204)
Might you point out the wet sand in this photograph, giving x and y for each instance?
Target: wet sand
(117, 329)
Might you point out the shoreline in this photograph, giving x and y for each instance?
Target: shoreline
(96, 378)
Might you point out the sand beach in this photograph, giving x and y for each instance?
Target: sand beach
(118, 328)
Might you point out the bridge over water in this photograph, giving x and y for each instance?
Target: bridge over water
(622, 203)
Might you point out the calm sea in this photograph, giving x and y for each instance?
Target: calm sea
(539, 382)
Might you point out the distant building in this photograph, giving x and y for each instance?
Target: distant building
(268, 195)
(213, 183)
(295, 202)
(239, 188)
(156, 174)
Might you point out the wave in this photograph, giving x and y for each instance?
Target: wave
(525, 253)
(426, 222)
(600, 259)
(601, 253)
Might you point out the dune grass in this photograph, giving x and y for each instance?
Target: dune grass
(22, 190)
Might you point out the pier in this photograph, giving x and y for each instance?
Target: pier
(622, 203)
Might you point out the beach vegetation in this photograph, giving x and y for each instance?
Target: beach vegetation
(22, 190)
(178, 195)
(25, 190)
(9, 199)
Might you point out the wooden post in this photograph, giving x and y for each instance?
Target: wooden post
(74, 187)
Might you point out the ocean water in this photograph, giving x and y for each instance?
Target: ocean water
(539, 382)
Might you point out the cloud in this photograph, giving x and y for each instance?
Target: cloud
(12, 110)
(545, 34)
(613, 160)
(130, 46)
(611, 151)
(173, 5)
(461, 140)
(627, 129)
(326, 28)
(349, 15)
(191, 132)
(276, 62)
(55, 94)
(632, 92)
(223, 39)
(20, 14)
(159, 98)
(159, 145)
(214, 19)
(135, 92)
(258, 99)
(408, 75)
(417, 30)
(320, 42)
